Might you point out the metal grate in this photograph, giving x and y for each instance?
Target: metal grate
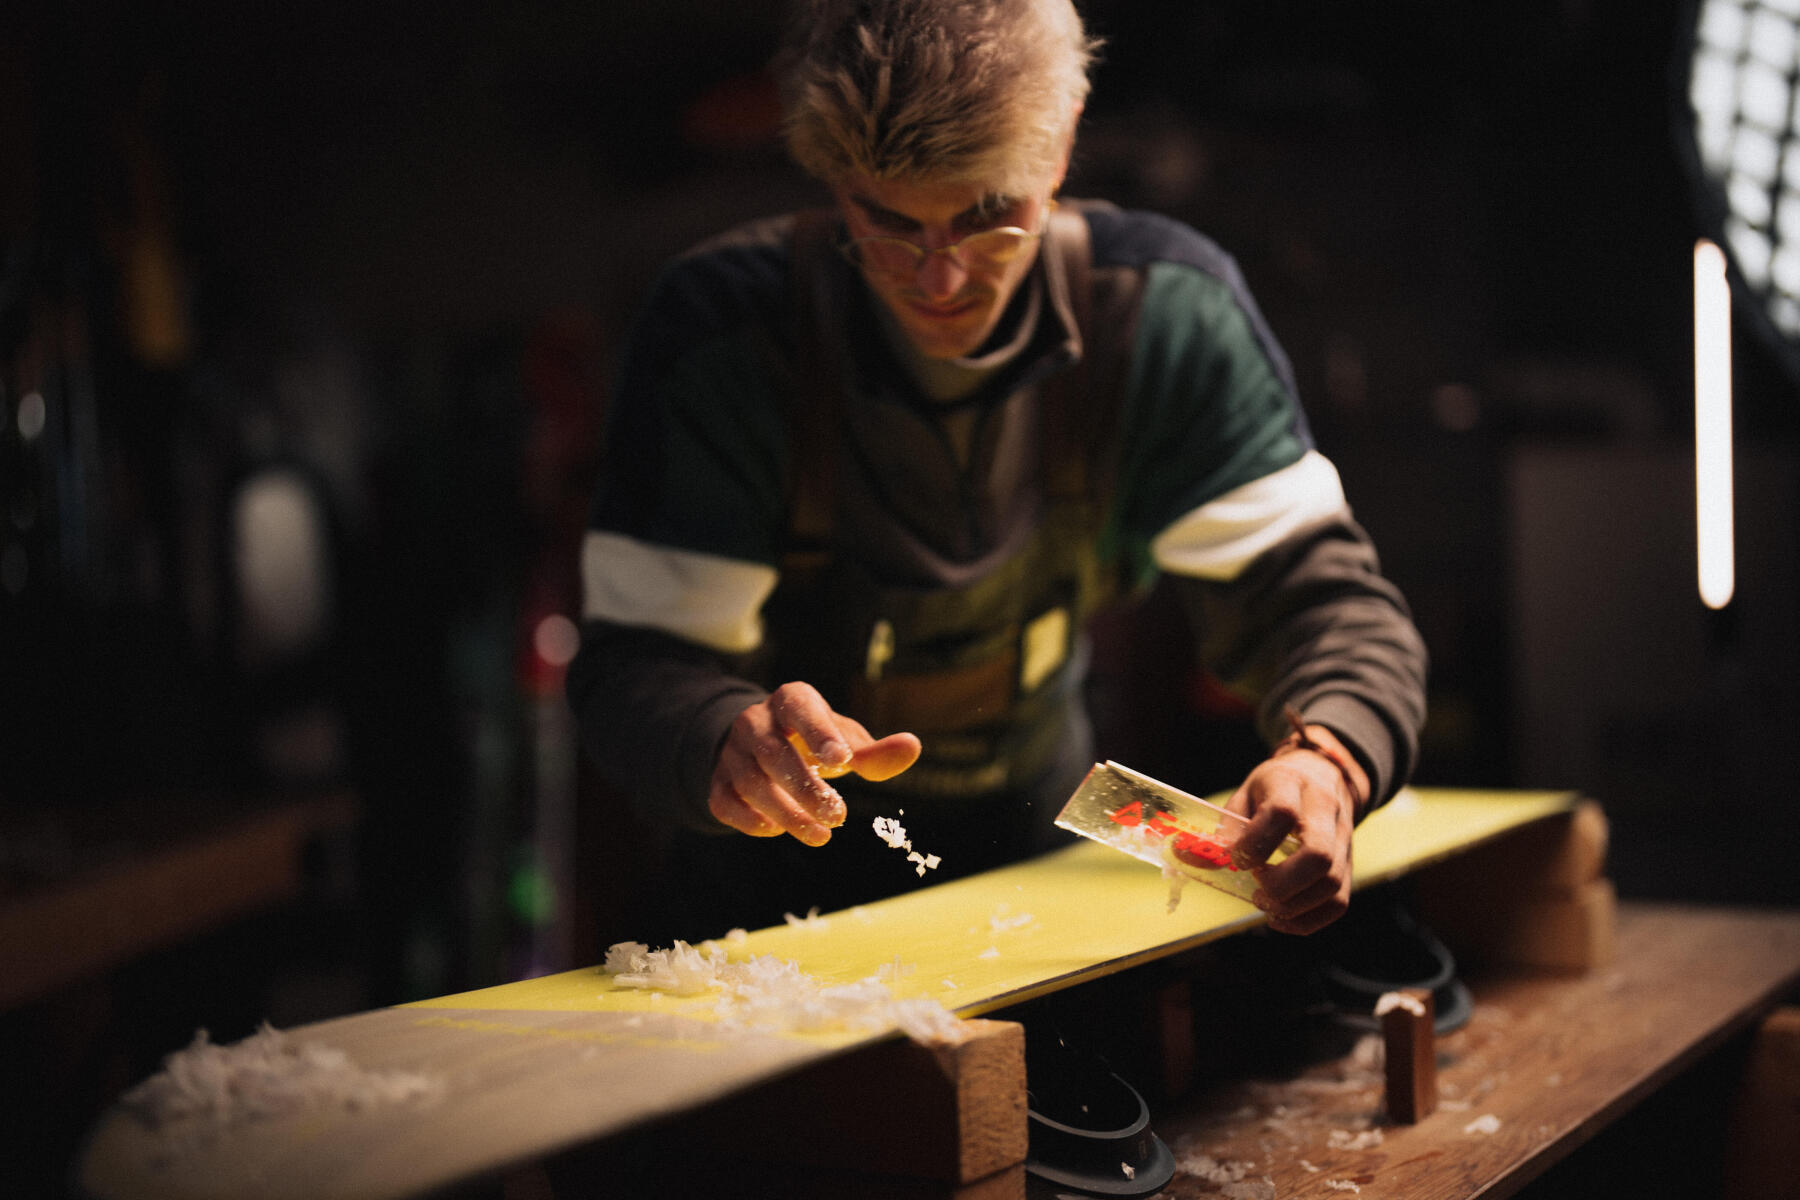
(1743, 88)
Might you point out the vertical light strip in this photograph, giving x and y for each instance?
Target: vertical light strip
(1712, 426)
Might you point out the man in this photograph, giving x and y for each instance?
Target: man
(867, 475)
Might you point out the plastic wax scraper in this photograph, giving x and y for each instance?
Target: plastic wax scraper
(1163, 826)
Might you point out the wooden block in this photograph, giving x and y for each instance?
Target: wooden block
(1533, 898)
(1409, 1045)
(1559, 853)
(1563, 853)
(954, 1112)
(1765, 1116)
(1573, 932)
(1543, 931)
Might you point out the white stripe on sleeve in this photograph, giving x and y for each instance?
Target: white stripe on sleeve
(1219, 539)
(704, 598)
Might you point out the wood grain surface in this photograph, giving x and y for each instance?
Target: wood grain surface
(1545, 1063)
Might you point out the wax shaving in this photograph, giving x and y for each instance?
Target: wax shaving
(1205, 1166)
(1483, 1124)
(891, 831)
(770, 994)
(1343, 1139)
(895, 970)
(812, 920)
(1399, 1000)
(207, 1088)
(1176, 881)
(681, 969)
(999, 922)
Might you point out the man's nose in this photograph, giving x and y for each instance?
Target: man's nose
(942, 274)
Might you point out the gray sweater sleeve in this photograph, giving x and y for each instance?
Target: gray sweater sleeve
(652, 710)
(1313, 623)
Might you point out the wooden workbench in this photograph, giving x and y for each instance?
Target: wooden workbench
(1547, 1063)
(536, 1067)
(562, 1072)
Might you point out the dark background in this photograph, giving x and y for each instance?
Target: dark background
(393, 249)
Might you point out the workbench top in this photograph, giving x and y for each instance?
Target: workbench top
(1545, 1064)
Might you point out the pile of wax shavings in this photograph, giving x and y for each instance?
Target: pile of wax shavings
(207, 1088)
(774, 995)
(891, 831)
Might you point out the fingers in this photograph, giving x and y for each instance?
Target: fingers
(730, 810)
(799, 709)
(888, 757)
(838, 744)
(1272, 814)
(1309, 910)
(763, 785)
(1286, 796)
(744, 797)
(770, 775)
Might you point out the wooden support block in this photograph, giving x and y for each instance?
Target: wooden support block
(953, 1112)
(1569, 932)
(1765, 1116)
(1409, 1045)
(1541, 931)
(1558, 854)
(1534, 898)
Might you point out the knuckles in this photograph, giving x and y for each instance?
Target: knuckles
(789, 695)
(1310, 863)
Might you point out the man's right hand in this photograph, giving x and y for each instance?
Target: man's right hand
(770, 777)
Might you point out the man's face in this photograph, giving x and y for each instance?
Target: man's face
(951, 302)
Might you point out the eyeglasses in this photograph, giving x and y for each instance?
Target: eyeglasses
(897, 256)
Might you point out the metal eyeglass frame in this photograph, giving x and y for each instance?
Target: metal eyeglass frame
(958, 250)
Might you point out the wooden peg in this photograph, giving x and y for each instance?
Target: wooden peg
(1409, 1043)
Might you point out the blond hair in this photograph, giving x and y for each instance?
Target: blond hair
(947, 90)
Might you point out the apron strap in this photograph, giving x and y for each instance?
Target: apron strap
(1080, 406)
(818, 388)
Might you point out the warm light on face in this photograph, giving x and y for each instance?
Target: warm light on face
(1712, 426)
(946, 301)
